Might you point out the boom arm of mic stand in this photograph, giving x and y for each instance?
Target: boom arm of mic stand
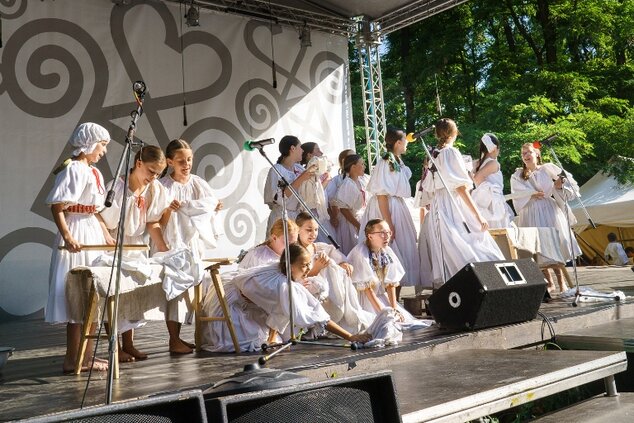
(577, 197)
(299, 198)
(453, 200)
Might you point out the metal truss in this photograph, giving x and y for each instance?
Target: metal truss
(413, 12)
(367, 42)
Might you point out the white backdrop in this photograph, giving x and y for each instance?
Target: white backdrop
(64, 62)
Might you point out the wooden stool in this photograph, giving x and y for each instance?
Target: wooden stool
(220, 292)
(89, 316)
(501, 237)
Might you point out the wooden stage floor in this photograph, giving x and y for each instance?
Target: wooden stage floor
(31, 383)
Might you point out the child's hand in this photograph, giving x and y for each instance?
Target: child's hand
(538, 195)
(71, 244)
(109, 239)
(320, 262)
(347, 267)
(175, 205)
(219, 206)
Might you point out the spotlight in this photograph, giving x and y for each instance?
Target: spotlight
(304, 37)
(193, 15)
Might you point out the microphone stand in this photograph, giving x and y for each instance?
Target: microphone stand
(283, 184)
(118, 252)
(571, 233)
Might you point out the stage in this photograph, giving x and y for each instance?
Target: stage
(31, 382)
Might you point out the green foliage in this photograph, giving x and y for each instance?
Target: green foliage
(523, 69)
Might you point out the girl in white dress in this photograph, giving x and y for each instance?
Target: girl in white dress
(422, 202)
(543, 204)
(452, 246)
(331, 194)
(389, 187)
(377, 273)
(288, 164)
(351, 200)
(270, 250)
(76, 197)
(342, 303)
(488, 194)
(187, 223)
(146, 200)
(267, 289)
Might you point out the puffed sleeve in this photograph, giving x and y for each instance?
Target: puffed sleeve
(159, 202)
(271, 190)
(110, 214)
(363, 275)
(348, 196)
(395, 271)
(336, 255)
(203, 192)
(382, 181)
(452, 168)
(520, 185)
(69, 185)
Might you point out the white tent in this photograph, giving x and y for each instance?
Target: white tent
(611, 207)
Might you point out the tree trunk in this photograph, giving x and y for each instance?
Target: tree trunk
(549, 30)
(406, 80)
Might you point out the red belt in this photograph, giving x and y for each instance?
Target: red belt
(80, 208)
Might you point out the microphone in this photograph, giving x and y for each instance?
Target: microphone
(139, 88)
(411, 137)
(250, 145)
(545, 141)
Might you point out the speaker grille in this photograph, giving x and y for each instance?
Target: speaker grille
(330, 404)
(124, 418)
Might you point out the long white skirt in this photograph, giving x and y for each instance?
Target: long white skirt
(405, 243)
(544, 213)
(452, 247)
(86, 230)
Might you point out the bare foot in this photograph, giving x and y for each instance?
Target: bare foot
(189, 344)
(136, 354)
(124, 357)
(178, 347)
(99, 366)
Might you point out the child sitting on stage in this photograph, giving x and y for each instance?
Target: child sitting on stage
(377, 273)
(77, 195)
(270, 250)
(258, 300)
(342, 303)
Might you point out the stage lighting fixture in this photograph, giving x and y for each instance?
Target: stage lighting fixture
(304, 36)
(193, 15)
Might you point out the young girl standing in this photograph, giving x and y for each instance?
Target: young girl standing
(389, 186)
(77, 195)
(543, 203)
(146, 200)
(288, 164)
(351, 199)
(452, 247)
(488, 194)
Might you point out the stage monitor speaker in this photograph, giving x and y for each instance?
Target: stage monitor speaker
(178, 407)
(490, 293)
(362, 398)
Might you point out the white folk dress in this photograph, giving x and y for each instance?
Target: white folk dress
(331, 194)
(77, 184)
(351, 195)
(140, 210)
(395, 185)
(342, 301)
(489, 197)
(422, 199)
(272, 197)
(259, 255)
(452, 247)
(366, 276)
(548, 211)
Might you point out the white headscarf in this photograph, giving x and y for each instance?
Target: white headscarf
(489, 141)
(86, 137)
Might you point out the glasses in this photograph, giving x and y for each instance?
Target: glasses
(382, 233)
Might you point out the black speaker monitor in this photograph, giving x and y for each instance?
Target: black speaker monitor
(490, 293)
(179, 407)
(363, 398)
